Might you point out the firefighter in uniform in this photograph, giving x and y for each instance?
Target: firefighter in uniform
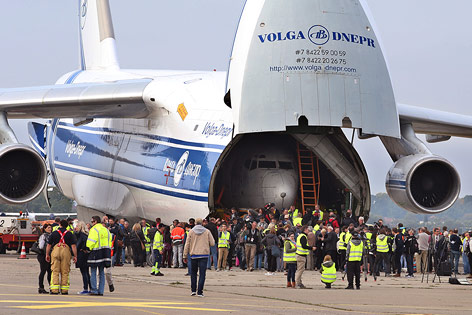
(62, 243)
(158, 248)
(355, 249)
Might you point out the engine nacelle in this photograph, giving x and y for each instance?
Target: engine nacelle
(23, 174)
(423, 184)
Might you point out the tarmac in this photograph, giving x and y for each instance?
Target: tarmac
(236, 291)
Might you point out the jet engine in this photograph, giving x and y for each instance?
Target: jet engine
(23, 174)
(423, 183)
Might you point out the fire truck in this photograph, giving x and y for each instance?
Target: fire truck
(14, 230)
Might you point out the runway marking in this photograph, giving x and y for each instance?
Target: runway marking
(144, 311)
(45, 305)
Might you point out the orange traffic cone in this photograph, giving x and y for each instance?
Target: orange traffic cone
(23, 252)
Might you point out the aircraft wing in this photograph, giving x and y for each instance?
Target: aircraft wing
(118, 99)
(435, 122)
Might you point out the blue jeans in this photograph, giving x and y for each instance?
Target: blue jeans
(123, 256)
(189, 265)
(465, 261)
(93, 279)
(258, 261)
(455, 256)
(198, 265)
(214, 254)
(85, 277)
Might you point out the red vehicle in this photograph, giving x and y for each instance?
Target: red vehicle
(14, 230)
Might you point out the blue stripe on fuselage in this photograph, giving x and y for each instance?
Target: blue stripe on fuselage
(149, 136)
(137, 160)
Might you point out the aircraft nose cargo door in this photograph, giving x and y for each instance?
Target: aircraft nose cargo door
(316, 59)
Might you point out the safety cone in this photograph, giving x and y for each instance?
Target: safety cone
(23, 252)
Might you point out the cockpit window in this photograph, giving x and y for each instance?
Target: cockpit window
(267, 164)
(284, 165)
(253, 165)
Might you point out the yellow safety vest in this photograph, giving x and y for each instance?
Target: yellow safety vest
(158, 241)
(223, 241)
(347, 238)
(368, 235)
(342, 241)
(99, 237)
(382, 246)
(328, 275)
(55, 228)
(290, 257)
(316, 228)
(296, 221)
(300, 250)
(355, 252)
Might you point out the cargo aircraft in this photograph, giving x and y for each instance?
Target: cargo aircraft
(178, 144)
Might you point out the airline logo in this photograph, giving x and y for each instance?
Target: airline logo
(318, 35)
(181, 168)
(74, 149)
(212, 129)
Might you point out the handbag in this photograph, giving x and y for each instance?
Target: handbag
(35, 249)
(142, 245)
(275, 251)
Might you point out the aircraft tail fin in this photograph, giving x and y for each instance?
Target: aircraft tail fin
(97, 37)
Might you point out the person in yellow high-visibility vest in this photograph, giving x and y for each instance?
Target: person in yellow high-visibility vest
(99, 242)
(303, 249)
(223, 247)
(381, 245)
(328, 272)
(158, 249)
(354, 252)
(290, 258)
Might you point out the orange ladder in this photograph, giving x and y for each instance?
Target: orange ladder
(309, 184)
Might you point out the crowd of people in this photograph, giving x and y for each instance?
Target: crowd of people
(287, 241)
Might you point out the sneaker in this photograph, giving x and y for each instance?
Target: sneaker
(201, 295)
(111, 287)
(218, 270)
(193, 294)
(83, 293)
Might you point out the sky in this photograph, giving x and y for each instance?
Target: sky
(427, 45)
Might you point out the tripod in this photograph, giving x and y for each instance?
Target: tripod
(428, 261)
(440, 258)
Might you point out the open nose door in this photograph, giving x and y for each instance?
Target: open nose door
(314, 58)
